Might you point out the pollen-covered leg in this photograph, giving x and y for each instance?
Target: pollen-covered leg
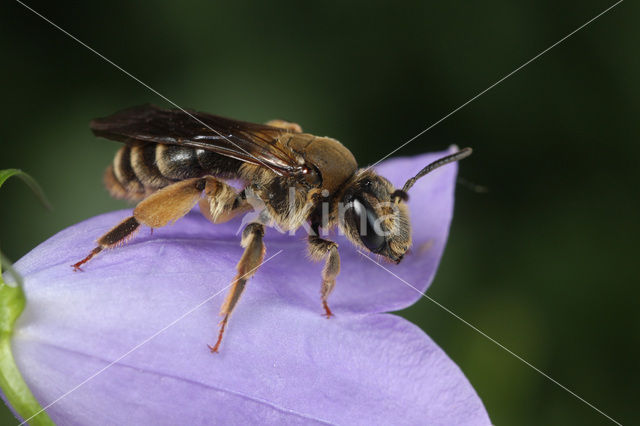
(324, 249)
(157, 210)
(247, 266)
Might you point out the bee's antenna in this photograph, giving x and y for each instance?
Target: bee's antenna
(457, 156)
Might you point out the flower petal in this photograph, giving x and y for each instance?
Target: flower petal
(279, 363)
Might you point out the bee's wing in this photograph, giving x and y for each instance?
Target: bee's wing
(248, 142)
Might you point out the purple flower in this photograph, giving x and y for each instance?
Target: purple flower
(280, 362)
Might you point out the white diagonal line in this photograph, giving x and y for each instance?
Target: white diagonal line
(145, 85)
(497, 82)
(145, 341)
(450, 312)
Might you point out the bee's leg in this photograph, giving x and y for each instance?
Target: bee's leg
(222, 203)
(158, 209)
(117, 235)
(287, 125)
(324, 249)
(249, 262)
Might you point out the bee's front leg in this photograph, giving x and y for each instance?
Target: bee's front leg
(251, 259)
(324, 249)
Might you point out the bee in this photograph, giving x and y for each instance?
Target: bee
(174, 159)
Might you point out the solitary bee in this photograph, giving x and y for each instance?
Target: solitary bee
(174, 159)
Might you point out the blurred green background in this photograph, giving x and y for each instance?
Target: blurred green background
(546, 262)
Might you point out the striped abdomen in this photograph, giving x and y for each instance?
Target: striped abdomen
(139, 170)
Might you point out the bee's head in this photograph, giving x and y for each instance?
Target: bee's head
(373, 214)
(372, 220)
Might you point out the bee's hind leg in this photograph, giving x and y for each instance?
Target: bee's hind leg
(117, 235)
(160, 208)
(324, 249)
(251, 259)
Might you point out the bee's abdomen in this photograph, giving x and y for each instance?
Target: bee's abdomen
(140, 170)
(121, 179)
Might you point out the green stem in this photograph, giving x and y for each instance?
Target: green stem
(15, 389)
(12, 302)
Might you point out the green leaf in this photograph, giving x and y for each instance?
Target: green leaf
(7, 173)
(31, 183)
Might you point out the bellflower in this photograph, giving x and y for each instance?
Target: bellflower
(148, 305)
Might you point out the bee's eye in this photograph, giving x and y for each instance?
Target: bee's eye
(366, 221)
